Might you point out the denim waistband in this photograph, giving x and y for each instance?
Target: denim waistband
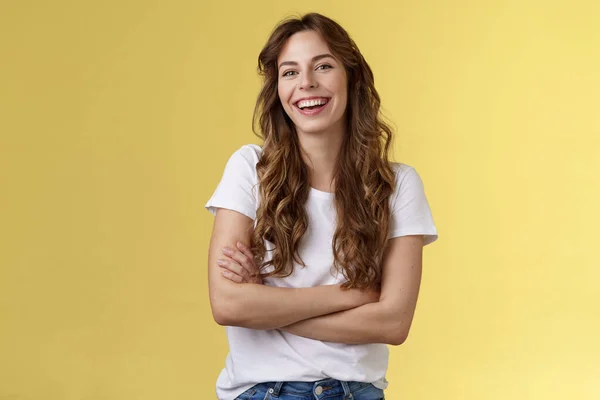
(322, 389)
(332, 386)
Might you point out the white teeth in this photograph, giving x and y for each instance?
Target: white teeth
(310, 103)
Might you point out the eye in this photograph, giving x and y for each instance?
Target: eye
(288, 73)
(324, 66)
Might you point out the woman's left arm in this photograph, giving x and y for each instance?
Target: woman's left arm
(387, 321)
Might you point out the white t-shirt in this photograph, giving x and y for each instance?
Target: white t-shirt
(257, 356)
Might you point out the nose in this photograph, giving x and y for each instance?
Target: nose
(308, 81)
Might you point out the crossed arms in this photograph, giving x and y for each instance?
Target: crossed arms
(325, 313)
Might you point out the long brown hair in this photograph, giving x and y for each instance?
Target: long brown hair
(364, 178)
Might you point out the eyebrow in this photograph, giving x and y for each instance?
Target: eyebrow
(315, 58)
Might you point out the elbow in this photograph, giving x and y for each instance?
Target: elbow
(398, 323)
(227, 304)
(223, 311)
(397, 334)
(397, 338)
(230, 309)
(221, 317)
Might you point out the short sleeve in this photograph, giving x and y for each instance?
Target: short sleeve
(236, 190)
(411, 214)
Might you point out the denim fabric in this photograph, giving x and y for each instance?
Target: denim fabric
(330, 389)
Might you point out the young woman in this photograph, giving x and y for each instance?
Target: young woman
(316, 251)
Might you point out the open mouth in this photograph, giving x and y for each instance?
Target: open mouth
(312, 106)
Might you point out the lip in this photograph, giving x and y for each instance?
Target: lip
(311, 112)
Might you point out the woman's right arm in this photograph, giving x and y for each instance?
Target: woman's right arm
(265, 307)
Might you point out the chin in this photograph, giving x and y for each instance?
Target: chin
(316, 126)
(312, 128)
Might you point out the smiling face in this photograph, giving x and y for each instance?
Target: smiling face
(312, 84)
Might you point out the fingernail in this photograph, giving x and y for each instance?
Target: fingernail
(227, 250)
(240, 244)
(220, 262)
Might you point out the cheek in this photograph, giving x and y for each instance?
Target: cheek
(284, 93)
(340, 89)
(338, 86)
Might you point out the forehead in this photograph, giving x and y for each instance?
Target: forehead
(302, 46)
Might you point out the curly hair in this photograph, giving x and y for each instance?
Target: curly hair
(364, 178)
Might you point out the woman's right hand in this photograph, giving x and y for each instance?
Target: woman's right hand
(239, 265)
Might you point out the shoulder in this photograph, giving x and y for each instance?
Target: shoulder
(249, 152)
(237, 188)
(243, 161)
(411, 214)
(408, 185)
(404, 173)
(400, 168)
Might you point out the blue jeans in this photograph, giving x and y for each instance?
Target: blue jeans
(330, 389)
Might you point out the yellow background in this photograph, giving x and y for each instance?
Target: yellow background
(117, 118)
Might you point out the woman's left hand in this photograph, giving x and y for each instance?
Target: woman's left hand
(238, 265)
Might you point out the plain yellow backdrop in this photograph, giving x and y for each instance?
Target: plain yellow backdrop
(117, 118)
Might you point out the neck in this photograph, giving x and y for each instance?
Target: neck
(320, 152)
